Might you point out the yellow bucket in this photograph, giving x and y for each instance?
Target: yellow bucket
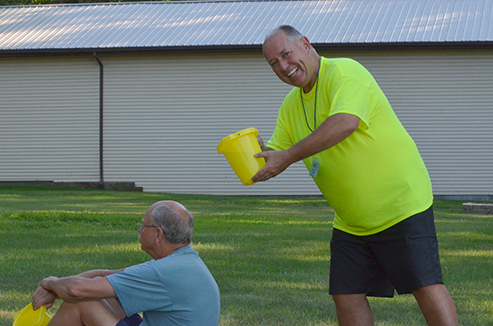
(28, 317)
(239, 149)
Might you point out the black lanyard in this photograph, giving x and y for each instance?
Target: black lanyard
(315, 106)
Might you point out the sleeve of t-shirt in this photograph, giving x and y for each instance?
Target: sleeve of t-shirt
(349, 92)
(138, 289)
(281, 138)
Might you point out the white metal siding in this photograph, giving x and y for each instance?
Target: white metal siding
(165, 115)
(185, 105)
(445, 101)
(49, 119)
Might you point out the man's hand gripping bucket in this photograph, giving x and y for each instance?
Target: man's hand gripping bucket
(239, 148)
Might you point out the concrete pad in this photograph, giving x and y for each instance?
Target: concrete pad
(476, 208)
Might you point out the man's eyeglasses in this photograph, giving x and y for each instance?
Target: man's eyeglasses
(141, 226)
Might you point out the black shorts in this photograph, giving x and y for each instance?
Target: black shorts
(134, 320)
(404, 257)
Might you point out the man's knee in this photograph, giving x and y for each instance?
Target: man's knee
(353, 309)
(91, 313)
(431, 292)
(346, 303)
(436, 304)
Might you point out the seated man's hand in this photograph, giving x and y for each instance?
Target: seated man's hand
(43, 297)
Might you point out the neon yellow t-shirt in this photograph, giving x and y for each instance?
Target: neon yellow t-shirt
(376, 177)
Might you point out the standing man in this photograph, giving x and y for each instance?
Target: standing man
(175, 288)
(338, 121)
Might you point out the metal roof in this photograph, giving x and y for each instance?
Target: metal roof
(180, 24)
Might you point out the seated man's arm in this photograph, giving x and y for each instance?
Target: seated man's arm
(45, 296)
(75, 289)
(99, 272)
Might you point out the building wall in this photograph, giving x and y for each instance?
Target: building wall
(49, 119)
(445, 101)
(165, 114)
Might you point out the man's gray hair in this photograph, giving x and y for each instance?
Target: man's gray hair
(292, 33)
(176, 229)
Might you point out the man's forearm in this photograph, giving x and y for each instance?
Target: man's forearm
(62, 287)
(77, 288)
(332, 131)
(99, 273)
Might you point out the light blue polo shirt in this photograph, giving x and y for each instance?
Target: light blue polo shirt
(175, 290)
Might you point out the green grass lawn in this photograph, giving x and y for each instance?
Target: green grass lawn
(270, 256)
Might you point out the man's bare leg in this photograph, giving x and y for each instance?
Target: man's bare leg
(437, 305)
(89, 313)
(353, 310)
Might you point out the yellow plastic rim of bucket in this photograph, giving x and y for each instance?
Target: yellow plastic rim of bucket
(239, 148)
(28, 317)
(238, 134)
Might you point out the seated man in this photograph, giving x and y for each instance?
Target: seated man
(175, 288)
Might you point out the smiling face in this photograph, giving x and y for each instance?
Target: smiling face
(294, 61)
